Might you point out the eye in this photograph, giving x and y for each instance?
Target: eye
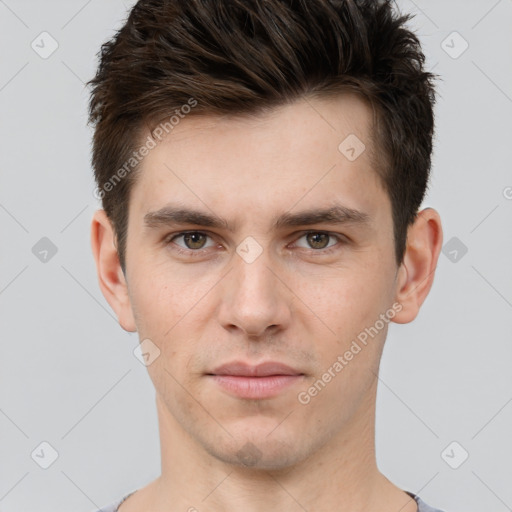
(192, 240)
(319, 240)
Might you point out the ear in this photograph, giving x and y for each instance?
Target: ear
(416, 273)
(110, 274)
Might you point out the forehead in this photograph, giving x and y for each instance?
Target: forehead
(310, 151)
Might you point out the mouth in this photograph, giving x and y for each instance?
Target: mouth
(264, 380)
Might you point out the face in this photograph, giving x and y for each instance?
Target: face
(255, 240)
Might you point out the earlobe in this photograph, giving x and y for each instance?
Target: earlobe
(416, 274)
(110, 275)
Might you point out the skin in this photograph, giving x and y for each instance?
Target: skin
(297, 303)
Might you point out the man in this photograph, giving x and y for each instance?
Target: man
(261, 165)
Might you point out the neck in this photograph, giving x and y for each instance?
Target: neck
(341, 475)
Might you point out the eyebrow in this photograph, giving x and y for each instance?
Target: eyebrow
(338, 215)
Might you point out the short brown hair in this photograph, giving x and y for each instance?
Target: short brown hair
(241, 57)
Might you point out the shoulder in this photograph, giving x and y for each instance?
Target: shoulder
(422, 506)
(112, 507)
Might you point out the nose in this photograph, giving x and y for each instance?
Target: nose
(254, 301)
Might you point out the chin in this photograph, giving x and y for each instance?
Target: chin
(259, 451)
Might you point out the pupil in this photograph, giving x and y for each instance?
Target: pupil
(194, 240)
(318, 240)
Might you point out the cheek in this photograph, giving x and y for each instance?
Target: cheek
(343, 300)
(348, 303)
(170, 309)
(160, 297)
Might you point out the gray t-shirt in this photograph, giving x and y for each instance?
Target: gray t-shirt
(422, 506)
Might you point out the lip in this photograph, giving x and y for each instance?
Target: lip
(241, 369)
(264, 380)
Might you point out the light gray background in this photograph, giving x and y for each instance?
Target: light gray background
(68, 375)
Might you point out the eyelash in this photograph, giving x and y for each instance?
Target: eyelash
(199, 252)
